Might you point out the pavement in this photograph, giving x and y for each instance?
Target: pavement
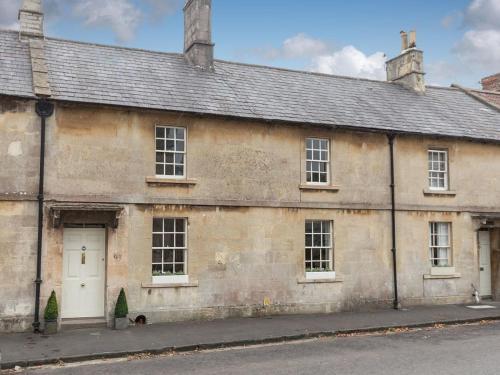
(453, 350)
(76, 345)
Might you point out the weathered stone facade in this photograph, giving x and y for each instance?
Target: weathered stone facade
(246, 209)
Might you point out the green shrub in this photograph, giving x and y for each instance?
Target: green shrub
(121, 308)
(51, 311)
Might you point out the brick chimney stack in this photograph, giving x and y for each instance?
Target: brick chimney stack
(407, 68)
(491, 83)
(31, 19)
(198, 46)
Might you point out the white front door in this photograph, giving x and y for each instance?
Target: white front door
(83, 273)
(484, 263)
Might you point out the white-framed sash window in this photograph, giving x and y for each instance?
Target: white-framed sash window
(169, 259)
(317, 161)
(438, 169)
(170, 146)
(440, 244)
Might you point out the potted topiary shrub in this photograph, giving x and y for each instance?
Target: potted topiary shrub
(121, 311)
(51, 314)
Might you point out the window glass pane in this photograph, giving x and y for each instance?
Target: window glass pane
(169, 170)
(179, 225)
(308, 254)
(168, 269)
(160, 132)
(179, 240)
(160, 145)
(160, 157)
(157, 256)
(157, 225)
(309, 143)
(157, 269)
(170, 133)
(157, 240)
(170, 145)
(308, 227)
(168, 256)
(326, 240)
(179, 255)
(169, 157)
(169, 225)
(308, 240)
(179, 268)
(179, 158)
(160, 169)
(179, 170)
(168, 240)
(317, 240)
(180, 146)
(179, 133)
(317, 226)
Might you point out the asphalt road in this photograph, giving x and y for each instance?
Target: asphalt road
(470, 349)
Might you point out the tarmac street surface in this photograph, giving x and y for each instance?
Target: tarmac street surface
(464, 349)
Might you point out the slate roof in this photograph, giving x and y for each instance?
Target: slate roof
(82, 72)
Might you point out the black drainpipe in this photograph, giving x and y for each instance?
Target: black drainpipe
(43, 109)
(396, 304)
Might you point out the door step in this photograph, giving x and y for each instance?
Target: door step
(70, 324)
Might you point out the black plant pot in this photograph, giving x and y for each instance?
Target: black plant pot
(50, 327)
(121, 323)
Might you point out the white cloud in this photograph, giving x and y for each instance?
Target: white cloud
(302, 45)
(161, 8)
(121, 16)
(483, 14)
(350, 61)
(480, 45)
(8, 13)
(481, 48)
(323, 58)
(295, 47)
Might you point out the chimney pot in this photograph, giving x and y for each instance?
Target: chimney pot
(404, 41)
(413, 39)
(198, 46)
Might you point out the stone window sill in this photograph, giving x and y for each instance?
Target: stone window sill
(447, 193)
(337, 279)
(307, 187)
(169, 286)
(451, 276)
(152, 180)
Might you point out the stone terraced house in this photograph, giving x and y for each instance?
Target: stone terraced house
(210, 189)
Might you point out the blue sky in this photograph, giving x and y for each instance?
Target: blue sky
(460, 38)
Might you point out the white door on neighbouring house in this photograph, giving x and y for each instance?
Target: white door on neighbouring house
(484, 263)
(83, 273)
